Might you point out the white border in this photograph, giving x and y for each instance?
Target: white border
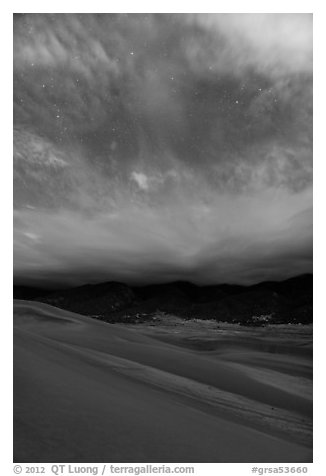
(317, 8)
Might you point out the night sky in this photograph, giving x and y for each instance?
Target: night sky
(154, 148)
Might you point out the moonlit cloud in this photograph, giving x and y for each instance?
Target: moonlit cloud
(141, 180)
(277, 44)
(158, 147)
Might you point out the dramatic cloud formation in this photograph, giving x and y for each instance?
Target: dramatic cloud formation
(160, 147)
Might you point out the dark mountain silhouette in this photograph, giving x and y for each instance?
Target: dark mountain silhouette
(286, 301)
(29, 293)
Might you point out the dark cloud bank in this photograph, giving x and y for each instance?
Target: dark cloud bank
(150, 148)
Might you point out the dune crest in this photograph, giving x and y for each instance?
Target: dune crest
(90, 391)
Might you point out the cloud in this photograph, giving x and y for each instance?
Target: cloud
(276, 44)
(227, 239)
(158, 146)
(141, 180)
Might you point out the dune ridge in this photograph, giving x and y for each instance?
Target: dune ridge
(145, 399)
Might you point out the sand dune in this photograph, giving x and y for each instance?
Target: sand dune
(87, 391)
